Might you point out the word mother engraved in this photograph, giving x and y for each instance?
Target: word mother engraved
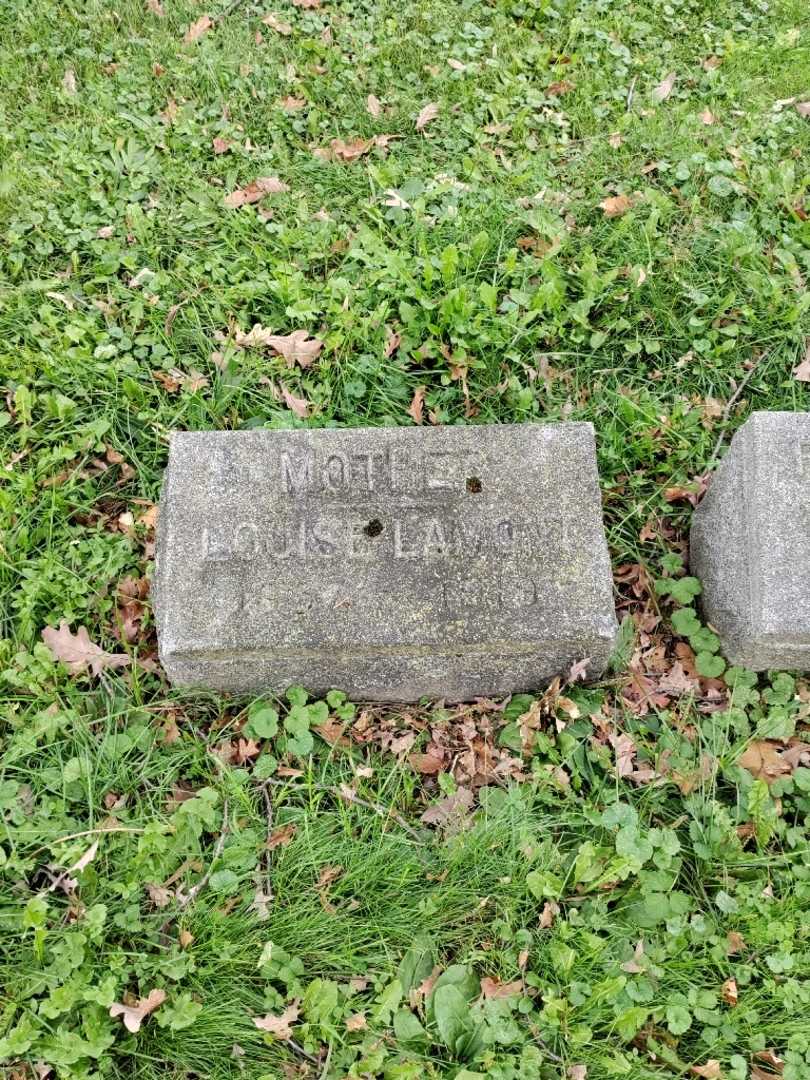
(391, 563)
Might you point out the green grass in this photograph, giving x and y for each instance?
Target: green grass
(120, 261)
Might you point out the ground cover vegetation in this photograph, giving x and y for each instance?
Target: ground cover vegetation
(315, 212)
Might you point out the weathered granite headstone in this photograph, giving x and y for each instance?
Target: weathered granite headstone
(389, 562)
(750, 544)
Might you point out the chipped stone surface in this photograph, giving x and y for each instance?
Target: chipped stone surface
(750, 544)
(392, 563)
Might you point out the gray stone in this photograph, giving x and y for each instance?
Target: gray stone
(750, 544)
(391, 563)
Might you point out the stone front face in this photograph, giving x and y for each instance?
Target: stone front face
(390, 563)
(750, 544)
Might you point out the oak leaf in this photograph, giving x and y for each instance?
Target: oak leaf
(197, 29)
(255, 191)
(78, 653)
(427, 114)
(494, 989)
(280, 1026)
(296, 348)
(134, 1015)
(664, 88)
(300, 406)
(292, 104)
(710, 1071)
(282, 836)
(616, 205)
(416, 407)
(730, 992)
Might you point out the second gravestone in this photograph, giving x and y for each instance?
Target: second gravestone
(390, 563)
(750, 544)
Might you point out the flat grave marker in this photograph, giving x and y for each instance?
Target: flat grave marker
(750, 544)
(392, 563)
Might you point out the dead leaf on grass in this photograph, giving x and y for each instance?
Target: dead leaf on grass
(373, 105)
(767, 1064)
(416, 407)
(282, 836)
(300, 406)
(69, 82)
(548, 914)
(735, 943)
(803, 108)
(710, 1071)
(160, 896)
(616, 205)
(296, 348)
(292, 104)
(280, 1026)
(277, 24)
(427, 114)
(221, 146)
(357, 1022)
(197, 29)
(451, 813)
(134, 1015)
(802, 370)
(577, 1072)
(664, 88)
(494, 989)
(154, 7)
(255, 191)
(557, 89)
(730, 992)
(708, 118)
(78, 653)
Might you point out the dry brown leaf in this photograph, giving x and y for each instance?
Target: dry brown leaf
(416, 407)
(577, 1072)
(634, 966)
(296, 348)
(664, 88)
(764, 761)
(427, 114)
(730, 992)
(197, 29)
(277, 24)
(357, 1022)
(280, 1026)
(221, 146)
(773, 1065)
(548, 914)
(495, 989)
(292, 104)
(735, 943)
(616, 205)
(78, 653)
(616, 139)
(802, 370)
(374, 105)
(255, 192)
(307, 3)
(710, 1071)
(708, 118)
(134, 1015)
(185, 938)
(154, 7)
(69, 81)
(803, 108)
(282, 836)
(300, 406)
(557, 89)
(159, 895)
(452, 812)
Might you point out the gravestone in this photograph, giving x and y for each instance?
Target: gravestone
(750, 544)
(391, 563)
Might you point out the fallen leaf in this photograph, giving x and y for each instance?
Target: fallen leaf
(307, 3)
(300, 406)
(625, 750)
(282, 836)
(159, 895)
(134, 1015)
(710, 63)
(456, 65)
(735, 943)
(707, 117)
(557, 89)
(803, 108)
(280, 1026)
(296, 348)
(155, 8)
(254, 192)
(709, 1071)
(197, 29)
(374, 105)
(416, 406)
(185, 938)
(356, 1023)
(764, 761)
(451, 813)
(292, 104)
(427, 114)
(634, 966)
(277, 24)
(78, 653)
(69, 81)
(577, 1072)
(802, 370)
(774, 1065)
(221, 146)
(730, 992)
(548, 914)
(395, 199)
(494, 990)
(664, 88)
(105, 232)
(615, 140)
(616, 205)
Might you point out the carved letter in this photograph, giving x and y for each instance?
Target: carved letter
(296, 475)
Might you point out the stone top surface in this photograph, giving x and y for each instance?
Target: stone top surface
(392, 562)
(750, 543)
